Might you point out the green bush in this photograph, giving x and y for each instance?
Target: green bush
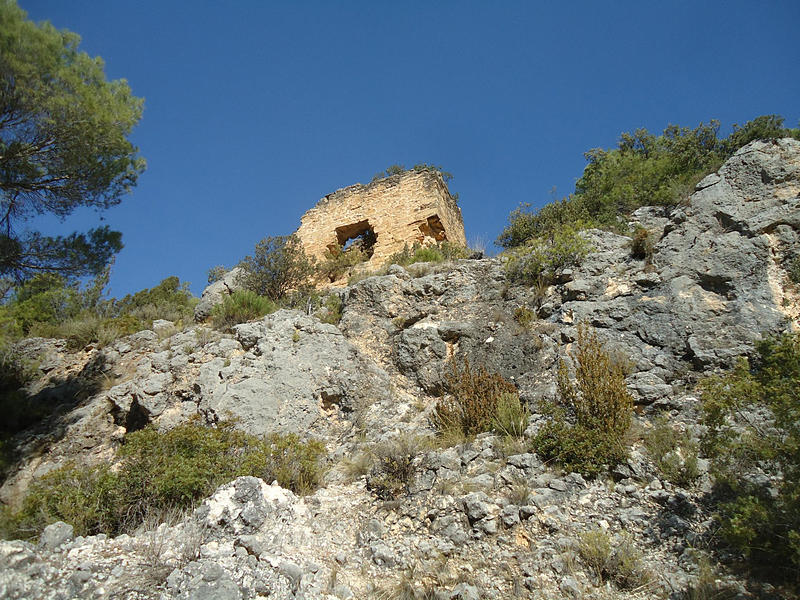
(794, 270)
(160, 471)
(240, 307)
(587, 430)
(540, 261)
(417, 253)
(170, 300)
(50, 306)
(277, 266)
(753, 420)
(393, 468)
(471, 407)
(331, 310)
(674, 454)
(643, 170)
(339, 262)
(525, 316)
(511, 416)
(622, 565)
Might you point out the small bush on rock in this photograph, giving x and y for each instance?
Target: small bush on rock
(587, 429)
(393, 469)
(642, 244)
(511, 416)
(674, 454)
(278, 265)
(794, 270)
(240, 307)
(753, 438)
(541, 260)
(621, 564)
(471, 406)
(417, 253)
(339, 262)
(161, 471)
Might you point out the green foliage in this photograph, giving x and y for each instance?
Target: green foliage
(278, 265)
(541, 260)
(525, 316)
(621, 564)
(753, 420)
(63, 144)
(331, 310)
(794, 270)
(643, 170)
(761, 128)
(159, 471)
(511, 416)
(524, 225)
(240, 307)
(397, 169)
(442, 251)
(216, 273)
(674, 454)
(48, 305)
(472, 404)
(586, 433)
(338, 263)
(393, 469)
(170, 300)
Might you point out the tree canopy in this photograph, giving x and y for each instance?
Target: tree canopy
(63, 145)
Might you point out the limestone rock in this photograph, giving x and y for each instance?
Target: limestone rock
(216, 292)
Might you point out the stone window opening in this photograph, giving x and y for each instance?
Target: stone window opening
(432, 227)
(359, 235)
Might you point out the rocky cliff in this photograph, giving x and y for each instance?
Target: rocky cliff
(714, 281)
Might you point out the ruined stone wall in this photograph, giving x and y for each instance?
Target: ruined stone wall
(401, 209)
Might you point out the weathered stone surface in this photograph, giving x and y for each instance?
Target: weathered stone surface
(216, 292)
(484, 517)
(402, 209)
(296, 371)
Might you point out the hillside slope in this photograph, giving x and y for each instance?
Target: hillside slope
(484, 519)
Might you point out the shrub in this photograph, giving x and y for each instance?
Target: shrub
(340, 262)
(794, 270)
(753, 436)
(50, 306)
(540, 261)
(216, 273)
(642, 245)
(586, 432)
(240, 307)
(393, 469)
(396, 169)
(162, 471)
(278, 265)
(644, 169)
(472, 405)
(511, 416)
(674, 454)
(170, 300)
(331, 311)
(441, 252)
(525, 316)
(622, 564)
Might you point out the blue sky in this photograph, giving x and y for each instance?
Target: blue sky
(254, 110)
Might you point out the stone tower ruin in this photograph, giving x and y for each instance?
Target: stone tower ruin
(384, 216)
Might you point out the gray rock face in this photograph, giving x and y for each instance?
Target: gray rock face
(715, 282)
(216, 293)
(296, 370)
(55, 535)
